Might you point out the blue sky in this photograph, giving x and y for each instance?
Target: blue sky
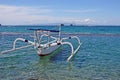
(90, 12)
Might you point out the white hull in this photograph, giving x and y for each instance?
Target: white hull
(47, 51)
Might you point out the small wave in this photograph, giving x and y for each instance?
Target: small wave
(93, 34)
(12, 33)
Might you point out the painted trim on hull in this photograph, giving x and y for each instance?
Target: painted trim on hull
(44, 54)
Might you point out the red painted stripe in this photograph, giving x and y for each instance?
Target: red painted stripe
(43, 54)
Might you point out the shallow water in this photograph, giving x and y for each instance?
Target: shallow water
(97, 59)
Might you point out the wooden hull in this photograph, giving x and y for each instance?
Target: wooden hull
(47, 51)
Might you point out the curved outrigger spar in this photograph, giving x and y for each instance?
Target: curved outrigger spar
(45, 43)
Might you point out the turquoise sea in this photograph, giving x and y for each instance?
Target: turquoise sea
(97, 59)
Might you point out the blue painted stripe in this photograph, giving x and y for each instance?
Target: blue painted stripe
(44, 30)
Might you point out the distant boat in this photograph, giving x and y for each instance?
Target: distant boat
(71, 24)
(0, 25)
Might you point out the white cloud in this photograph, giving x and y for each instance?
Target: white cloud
(22, 15)
(35, 15)
(81, 11)
(87, 20)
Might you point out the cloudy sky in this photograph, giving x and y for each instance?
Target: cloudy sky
(27, 12)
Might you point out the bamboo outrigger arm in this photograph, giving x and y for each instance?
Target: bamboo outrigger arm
(14, 45)
(72, 49)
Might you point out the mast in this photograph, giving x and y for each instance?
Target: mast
(60, 31)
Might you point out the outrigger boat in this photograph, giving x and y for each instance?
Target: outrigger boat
(52, 42)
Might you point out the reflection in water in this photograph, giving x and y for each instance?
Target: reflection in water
(48, 70)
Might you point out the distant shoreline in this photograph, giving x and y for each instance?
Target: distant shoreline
(65, 25)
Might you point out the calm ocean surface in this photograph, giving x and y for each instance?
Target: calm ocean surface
(97, 59)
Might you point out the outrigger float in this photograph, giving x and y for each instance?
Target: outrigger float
(46, 47)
